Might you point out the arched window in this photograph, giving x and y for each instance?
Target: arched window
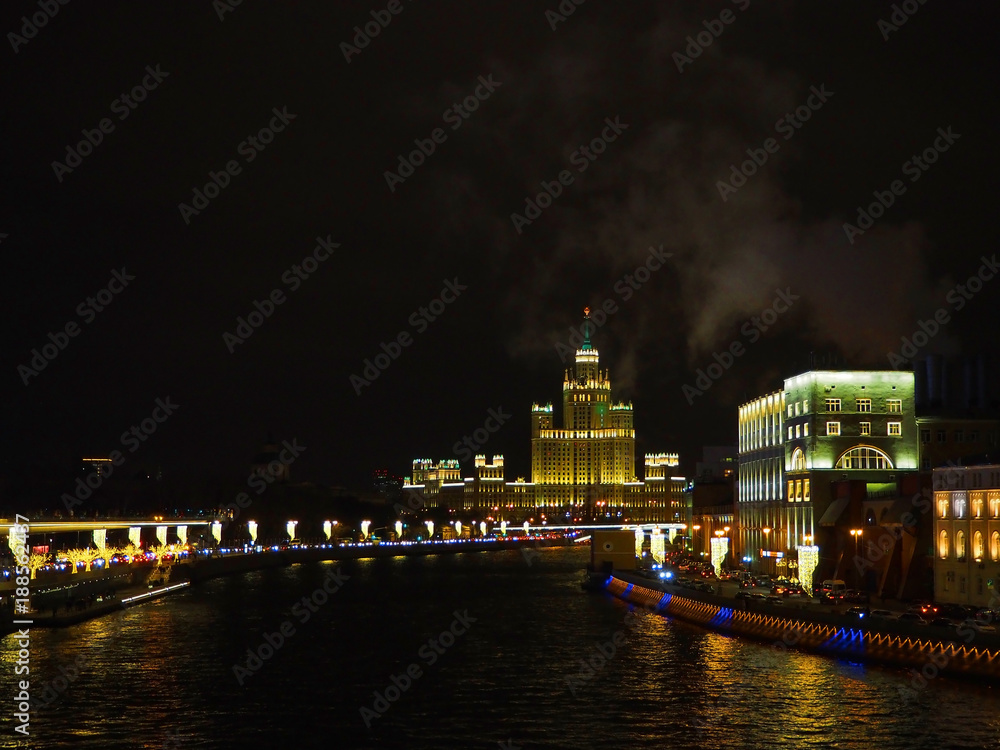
(995, 546)
(942, 504)
(977, 547)
(864, 457)
(977, 507)
(959, 504)
(943, 545)
(798, 460)
(994, 505)
(960, 546)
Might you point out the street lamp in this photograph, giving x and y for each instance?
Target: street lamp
(767, 532)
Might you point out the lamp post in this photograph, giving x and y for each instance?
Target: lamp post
(694, 537)
(767, 532)
(857, 534)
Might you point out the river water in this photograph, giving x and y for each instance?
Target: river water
(507, 674)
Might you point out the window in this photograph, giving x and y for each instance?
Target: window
(973, 436)
(798, 460)
(925, 436)
(833, 429)
(833, 404)
(895, 429)
(942, 505)
(941, 436)
(995, 546)
(959, 505)
(943, 545)
(865, 428)
(805, 407)
(960, 546)
(925, 464)
(977, 507)
(789, 432)
(791, 412)
(864, 457)
(798, 430)
(961, 585)
(798, 490)
(805, 429)
(864, 404)
(791, 491)
(994, 505)
(805, 490)
(797, 411)
(977, 547)
(959, 436)
(894, 405)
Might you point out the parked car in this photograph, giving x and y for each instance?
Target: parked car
(980, 626)
(944, 622)
(858, 612)
(775, 600)
(853, 596)
(911, 618)
(882, 614)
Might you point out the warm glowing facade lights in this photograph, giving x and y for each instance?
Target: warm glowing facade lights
(252, 528)
(328, 529)
(290, 528)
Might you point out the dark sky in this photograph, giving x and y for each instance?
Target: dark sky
(494, 347)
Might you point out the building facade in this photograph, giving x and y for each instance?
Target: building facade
(823, 427)
(581, 471)
(967, 535)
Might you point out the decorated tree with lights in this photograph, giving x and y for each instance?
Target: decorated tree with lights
(36, 562)
(77, 556)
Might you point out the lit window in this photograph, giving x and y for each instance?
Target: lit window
(894, 405)
(833, 428)
(798, 430)
(895, 429)
(977, 547)
(995, 546)
(864, 457)
(798, 460)
(805, 490)
(960, 546)
(789, 432)
(866, 428)
(994, 505)
(798, 490)
(791, 410)
(864, 404)
(977, 507)
(959, 505)
(805, 429)
(805, 407)
(791, 491)
(943, 545)
(833, 404)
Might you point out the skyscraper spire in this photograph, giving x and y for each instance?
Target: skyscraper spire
(586, 329)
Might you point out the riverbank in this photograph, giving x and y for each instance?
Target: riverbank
(963, 652)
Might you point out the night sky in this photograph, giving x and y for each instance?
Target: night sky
(212, 83)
